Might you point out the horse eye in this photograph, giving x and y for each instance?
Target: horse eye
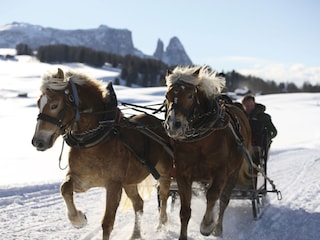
(53, 106)
(190, 96)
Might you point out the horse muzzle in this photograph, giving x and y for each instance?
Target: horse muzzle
(174, 129)
(42, 144)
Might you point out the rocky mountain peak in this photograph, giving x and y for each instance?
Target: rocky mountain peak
(175, 53)
(159, 50)
(103, 38)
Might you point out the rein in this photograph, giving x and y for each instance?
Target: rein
(248, 157)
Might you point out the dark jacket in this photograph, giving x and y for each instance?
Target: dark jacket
(263, 130)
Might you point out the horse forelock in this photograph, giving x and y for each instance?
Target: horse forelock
(207, 79)
(50, 81)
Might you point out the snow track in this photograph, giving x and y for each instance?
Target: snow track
(38, 212)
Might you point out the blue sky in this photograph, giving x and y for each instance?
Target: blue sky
(273, 39)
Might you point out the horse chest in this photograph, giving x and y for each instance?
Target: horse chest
(199, 161)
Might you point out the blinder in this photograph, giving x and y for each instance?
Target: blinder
(72, 99)
(190, 114)
(200, 121)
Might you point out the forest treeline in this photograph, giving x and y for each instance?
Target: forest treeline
(149, 72)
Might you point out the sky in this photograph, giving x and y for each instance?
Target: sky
(275, 40)
(31, 206)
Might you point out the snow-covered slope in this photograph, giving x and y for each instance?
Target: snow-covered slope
(31, 206)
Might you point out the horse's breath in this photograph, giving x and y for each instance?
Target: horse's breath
(106, 149)
(206, 148)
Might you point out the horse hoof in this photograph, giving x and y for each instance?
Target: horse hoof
(206, 230)
(183, 238)
(162, 227)
(135, 236)
(79, 220)
(217, 232)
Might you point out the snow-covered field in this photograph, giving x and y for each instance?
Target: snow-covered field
(31, 206)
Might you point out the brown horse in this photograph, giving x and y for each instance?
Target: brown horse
(107, 149)
(209, 140)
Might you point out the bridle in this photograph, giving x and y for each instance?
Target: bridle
(194, 113)
(190, 113)
(200, 122)
(70, 99)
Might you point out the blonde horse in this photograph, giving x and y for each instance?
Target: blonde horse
(209, 140)
(107, 149)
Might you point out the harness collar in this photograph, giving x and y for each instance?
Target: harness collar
(106, 130)
(212, 122)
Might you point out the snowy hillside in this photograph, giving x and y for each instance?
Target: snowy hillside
(31, 206)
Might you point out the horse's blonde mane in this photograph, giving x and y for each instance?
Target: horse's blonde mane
(52, 80)
(203, 77)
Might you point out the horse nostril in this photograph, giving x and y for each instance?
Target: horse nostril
(37, 143)
(177, 124)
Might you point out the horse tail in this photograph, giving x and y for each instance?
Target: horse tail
(145, 189)
(245, 174)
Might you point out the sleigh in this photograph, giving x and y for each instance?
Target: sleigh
(257, 191)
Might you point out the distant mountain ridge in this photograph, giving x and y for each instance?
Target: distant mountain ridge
(103, 38)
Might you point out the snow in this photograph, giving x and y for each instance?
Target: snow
(31, 206)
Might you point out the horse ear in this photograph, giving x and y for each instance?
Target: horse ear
(112, 94)
(60, 74)
(196, 72)
(169, 72)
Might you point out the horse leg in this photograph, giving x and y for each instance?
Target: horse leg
(114, 191)
(137, 202)
(185, 211)
(224, 201)
(76, 217)
(164, 194)
(207, 223)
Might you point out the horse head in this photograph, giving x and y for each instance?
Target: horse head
(64, 97)
(53, 115)
(189, 99)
